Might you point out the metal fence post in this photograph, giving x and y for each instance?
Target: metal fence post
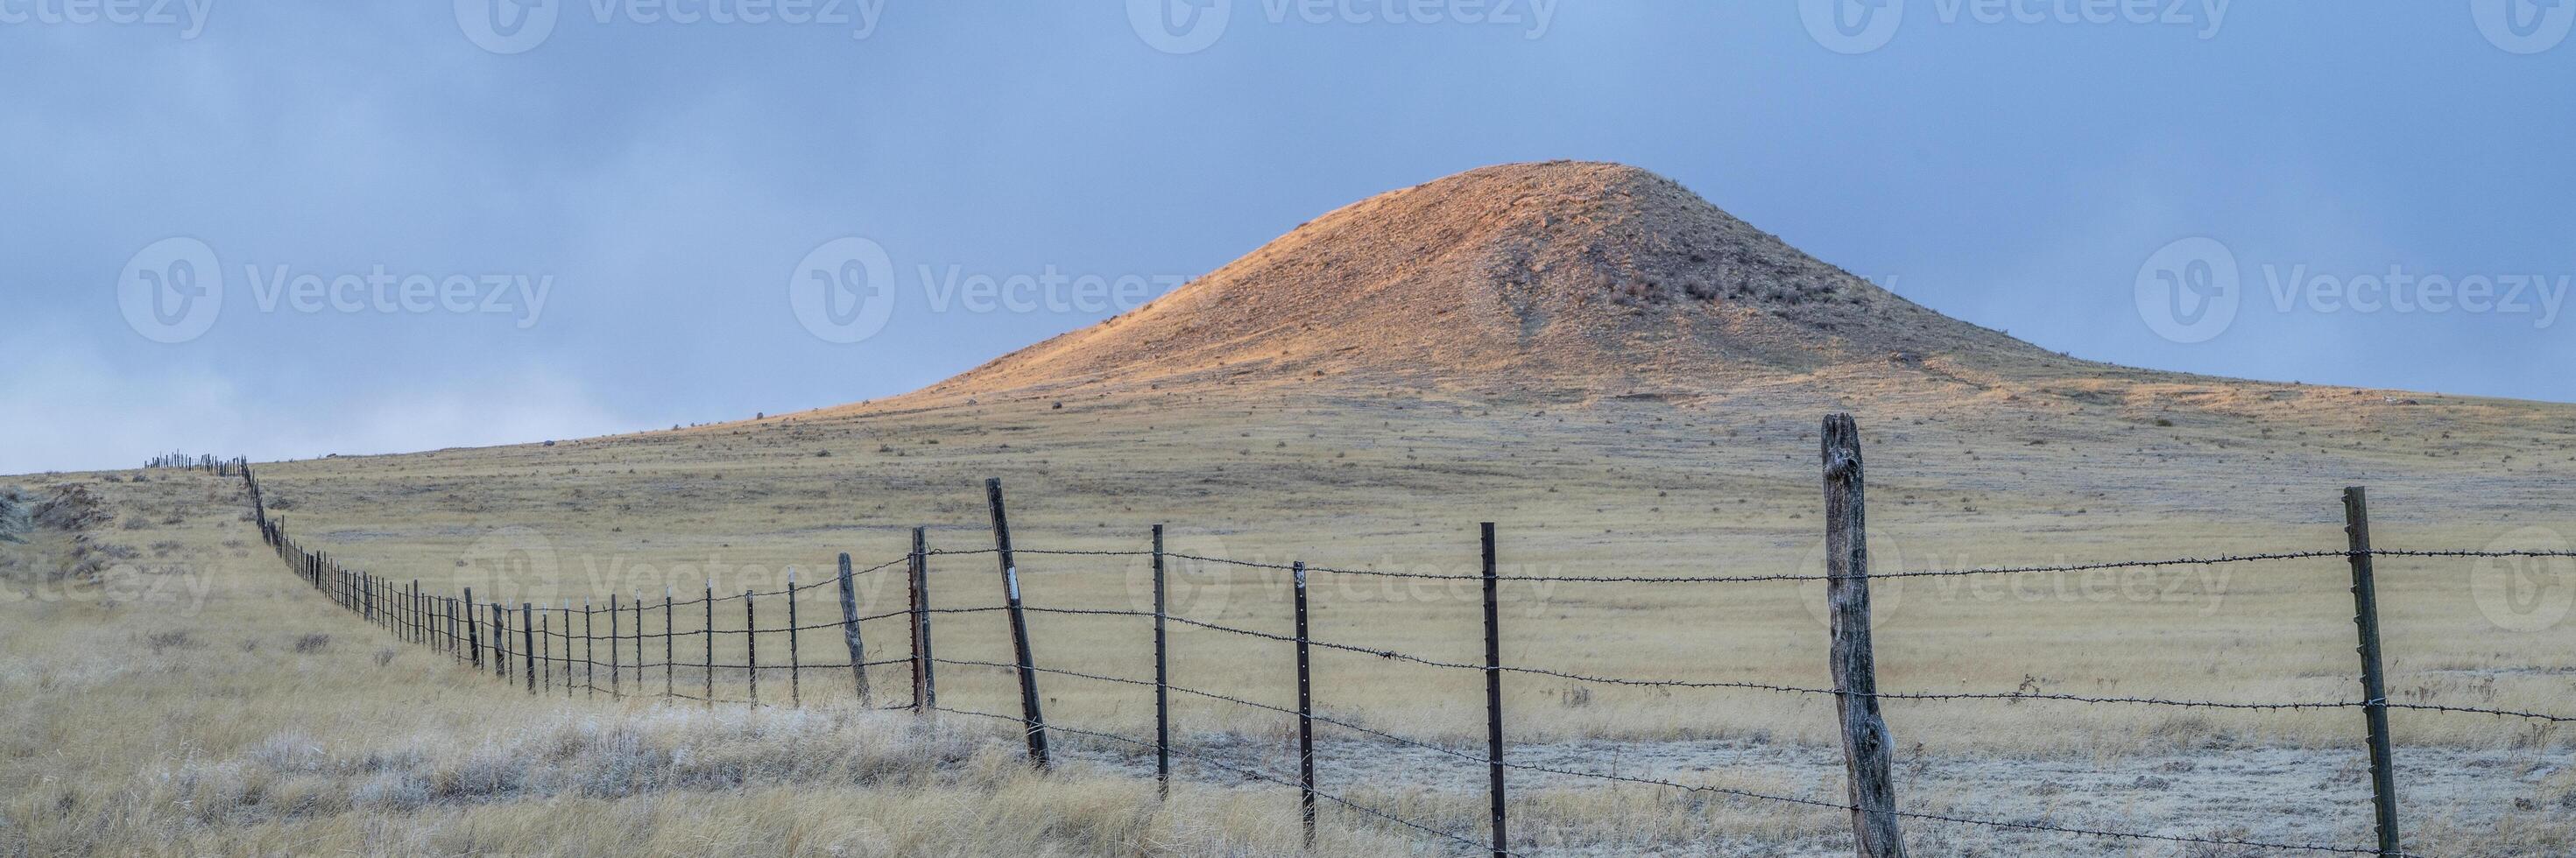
(1031, 717)
(2374, 683)
(1494, 693)
(925, 688)
(1305, 715)
(1162, 681)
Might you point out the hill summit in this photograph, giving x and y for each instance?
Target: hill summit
(1556, 273)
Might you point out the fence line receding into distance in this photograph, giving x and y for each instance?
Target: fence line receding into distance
(539, 655)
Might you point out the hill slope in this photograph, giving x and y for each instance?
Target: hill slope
(1575, 273)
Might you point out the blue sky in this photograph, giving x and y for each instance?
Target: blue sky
(2025, 166)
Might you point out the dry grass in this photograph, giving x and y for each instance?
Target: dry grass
(1712, 484)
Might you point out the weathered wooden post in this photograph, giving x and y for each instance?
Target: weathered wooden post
(850, 633)
(528, 644)
(615, 670)
(925, 688)
(473, 636)
(1031, 717)
(1866, 741)
(500, 641)
(670, 645)
(2374, 683)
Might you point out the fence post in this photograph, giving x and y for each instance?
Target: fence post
(528, 643)
(546, 648)
(1494, 693)
(1866, 741)
(589, 654)
(500, 641)
(615, 670)
(2374, 683)
(711, 643)
(670, 634)
(1305, 717)
(751, 647)
(850, 632)
(925, 692)
(1162, 682)
(473, 636)
(795, 662)
(1030, 715)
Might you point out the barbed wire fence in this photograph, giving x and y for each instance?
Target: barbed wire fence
(558, 649)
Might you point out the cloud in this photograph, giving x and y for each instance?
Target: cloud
(71, 413)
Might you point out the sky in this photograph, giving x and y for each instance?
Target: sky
(298, 228)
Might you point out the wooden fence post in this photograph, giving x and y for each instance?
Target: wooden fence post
(2374, 683)
(500, 641)
(546, 649)
(1494, 693)
(1162, 682)
(615, 670)
(751, 647)
(1305, 715)
(925, 689)
(670, 645)
(1866, 741)
(850, 633)
(473, 636)
(1031, 717)
(528, 643)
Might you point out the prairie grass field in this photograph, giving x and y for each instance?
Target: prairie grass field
(1577, 489)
